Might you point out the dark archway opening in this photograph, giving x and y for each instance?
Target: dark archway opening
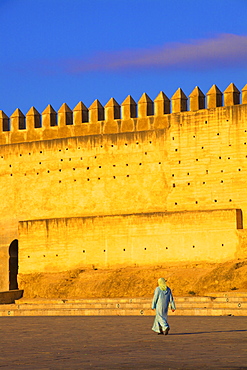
(13, 265)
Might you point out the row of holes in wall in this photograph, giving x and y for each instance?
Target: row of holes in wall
(87, 168)
(137, 143)
(114, 165)
(140, 164)
(112, 145)
(216, 134)
(79, 148)
(124, 250)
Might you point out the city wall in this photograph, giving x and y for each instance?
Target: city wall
(117, 165)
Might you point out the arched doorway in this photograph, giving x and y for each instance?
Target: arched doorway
(13, 265)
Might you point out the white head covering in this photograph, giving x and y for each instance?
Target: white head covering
(162, 283)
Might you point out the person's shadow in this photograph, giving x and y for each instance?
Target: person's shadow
(210, 332)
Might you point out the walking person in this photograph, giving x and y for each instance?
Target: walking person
(162, 298)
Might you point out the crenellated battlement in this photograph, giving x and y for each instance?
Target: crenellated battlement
(112, 118)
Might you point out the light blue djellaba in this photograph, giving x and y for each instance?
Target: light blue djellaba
(161, 300)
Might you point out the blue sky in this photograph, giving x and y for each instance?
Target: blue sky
(56, 51)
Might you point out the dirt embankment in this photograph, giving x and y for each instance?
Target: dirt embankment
(184, 280)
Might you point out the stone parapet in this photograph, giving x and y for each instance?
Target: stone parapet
(113, 118)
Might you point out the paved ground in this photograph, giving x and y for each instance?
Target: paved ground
(122, 343)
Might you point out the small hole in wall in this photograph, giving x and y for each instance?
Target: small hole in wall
(140, 164)
(218, 134)
(104, 250)
(20, 155)
(126, 164)
(81, 158)
(61, 160)
(67, 148)
(124, 249)
(59, 150)
(219, 157)
(74, 179)
(193, 136)
(193, 246)
(230, 144)
(145, 249)
(112, 145)
(202, 147)
(88, 168)
(145, 153)
(25, 174)
(244, 143)
(206, 171)
(41, 151)
(188, 183)
(74, 169)
(59, 181)
(126, 144)
(29, 153)
(179, 162)
(11, 174)
(176, 150)
(175, 204)
(37, 173)
(88, 179)
(79, 147)
(215, 200)
(159, 162)
(60, 170)
(56, 255)
(95, 156)
(43, 255)
(150, 142)
(114, 177)
(196, 202)
(239, 169)
(173, 175)
(204, 183)
(114, 165)
(39, 162)
(229, 158)
(83, 251)
(127, 175)
(206, 122)
(197, 159)
(173, 138)
(28, 256)
(99, 166)
(188, 173)
(222, 171)
(69, 159)
(222, 245)
(10, 165)
(101, 146)
(174, 185)
(98, 178)
(48, 171)
(137, 143)
(166, 247)
(230, 200)
(222, 181)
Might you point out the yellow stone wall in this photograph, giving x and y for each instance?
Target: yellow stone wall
(139, 239)
(90, 166)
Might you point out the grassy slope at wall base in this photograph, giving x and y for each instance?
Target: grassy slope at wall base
(184, 279)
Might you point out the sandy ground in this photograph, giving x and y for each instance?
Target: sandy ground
(185, 279)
